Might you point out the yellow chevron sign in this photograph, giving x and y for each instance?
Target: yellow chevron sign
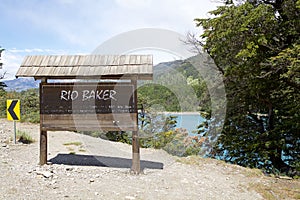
(13, 109)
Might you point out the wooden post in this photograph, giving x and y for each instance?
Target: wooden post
(43, 147)
(136, 166)
(43, 133)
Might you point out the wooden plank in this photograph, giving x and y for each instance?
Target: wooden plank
(66, 111)
(45, 61)
(105, 122)
(33, 60)
(26, 61)
(97, 60)
(81, 60)
(63, 61)
(105, 66)
(150, 59)
(144, 60)
(127, 60)
(54, 128)
(122, 60)
(132, 60)
(89, 117)
(57, 61)
(74, 70)
(51, 61)
(115, 60)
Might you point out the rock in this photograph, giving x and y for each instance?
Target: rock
(45, 174)
(68, 168)
(285, 177)
(130, 197)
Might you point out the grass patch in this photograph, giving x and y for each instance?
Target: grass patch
(70, 149)
(73, 143)
(199, 161)
(268, 187)
(24, 137)
(278, 189)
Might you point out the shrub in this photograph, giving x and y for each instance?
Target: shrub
(24, 137)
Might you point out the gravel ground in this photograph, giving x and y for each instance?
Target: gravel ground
(82, 167)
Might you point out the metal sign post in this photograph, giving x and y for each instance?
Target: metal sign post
(15, 133)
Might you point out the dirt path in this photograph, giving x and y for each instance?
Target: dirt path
(90, 168)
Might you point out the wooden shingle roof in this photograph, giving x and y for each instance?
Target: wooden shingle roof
(86, 66)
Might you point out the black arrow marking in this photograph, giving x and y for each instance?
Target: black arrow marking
(11, 110)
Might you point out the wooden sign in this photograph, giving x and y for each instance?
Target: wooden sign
(87, 98)
(88, 106)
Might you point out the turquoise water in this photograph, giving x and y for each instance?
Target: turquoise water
(188, 121)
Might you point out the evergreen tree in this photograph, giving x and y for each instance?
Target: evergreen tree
(256, 45)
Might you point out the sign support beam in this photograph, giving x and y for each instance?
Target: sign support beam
(136, 166)
(15, 132)
(43, 147)
(43, 134)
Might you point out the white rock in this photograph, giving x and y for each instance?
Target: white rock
(46, 174)
(130, 197)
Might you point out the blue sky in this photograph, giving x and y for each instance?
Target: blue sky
(34, 27)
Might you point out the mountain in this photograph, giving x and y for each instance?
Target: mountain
(160, 70)
(21, 84)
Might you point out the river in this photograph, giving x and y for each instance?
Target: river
(187, 120)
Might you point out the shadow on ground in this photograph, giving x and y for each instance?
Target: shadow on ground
(101, 161)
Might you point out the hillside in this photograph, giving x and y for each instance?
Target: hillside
(21, 84)
(83, 167)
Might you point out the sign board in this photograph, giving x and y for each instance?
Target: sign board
(88, 106)
(87, 99)
(13, 109)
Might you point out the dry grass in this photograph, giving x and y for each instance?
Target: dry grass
(24, 137)
(73, 143)
(270, 188)
(276, 188)
(71, 146)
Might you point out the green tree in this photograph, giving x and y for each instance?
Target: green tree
(2, 86)
(30, 108)
(255, 44)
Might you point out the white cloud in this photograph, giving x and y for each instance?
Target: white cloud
(90, 22)
(11, 63)
(12, 58)
(37, 50)
(134, 4)
(82, 24)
